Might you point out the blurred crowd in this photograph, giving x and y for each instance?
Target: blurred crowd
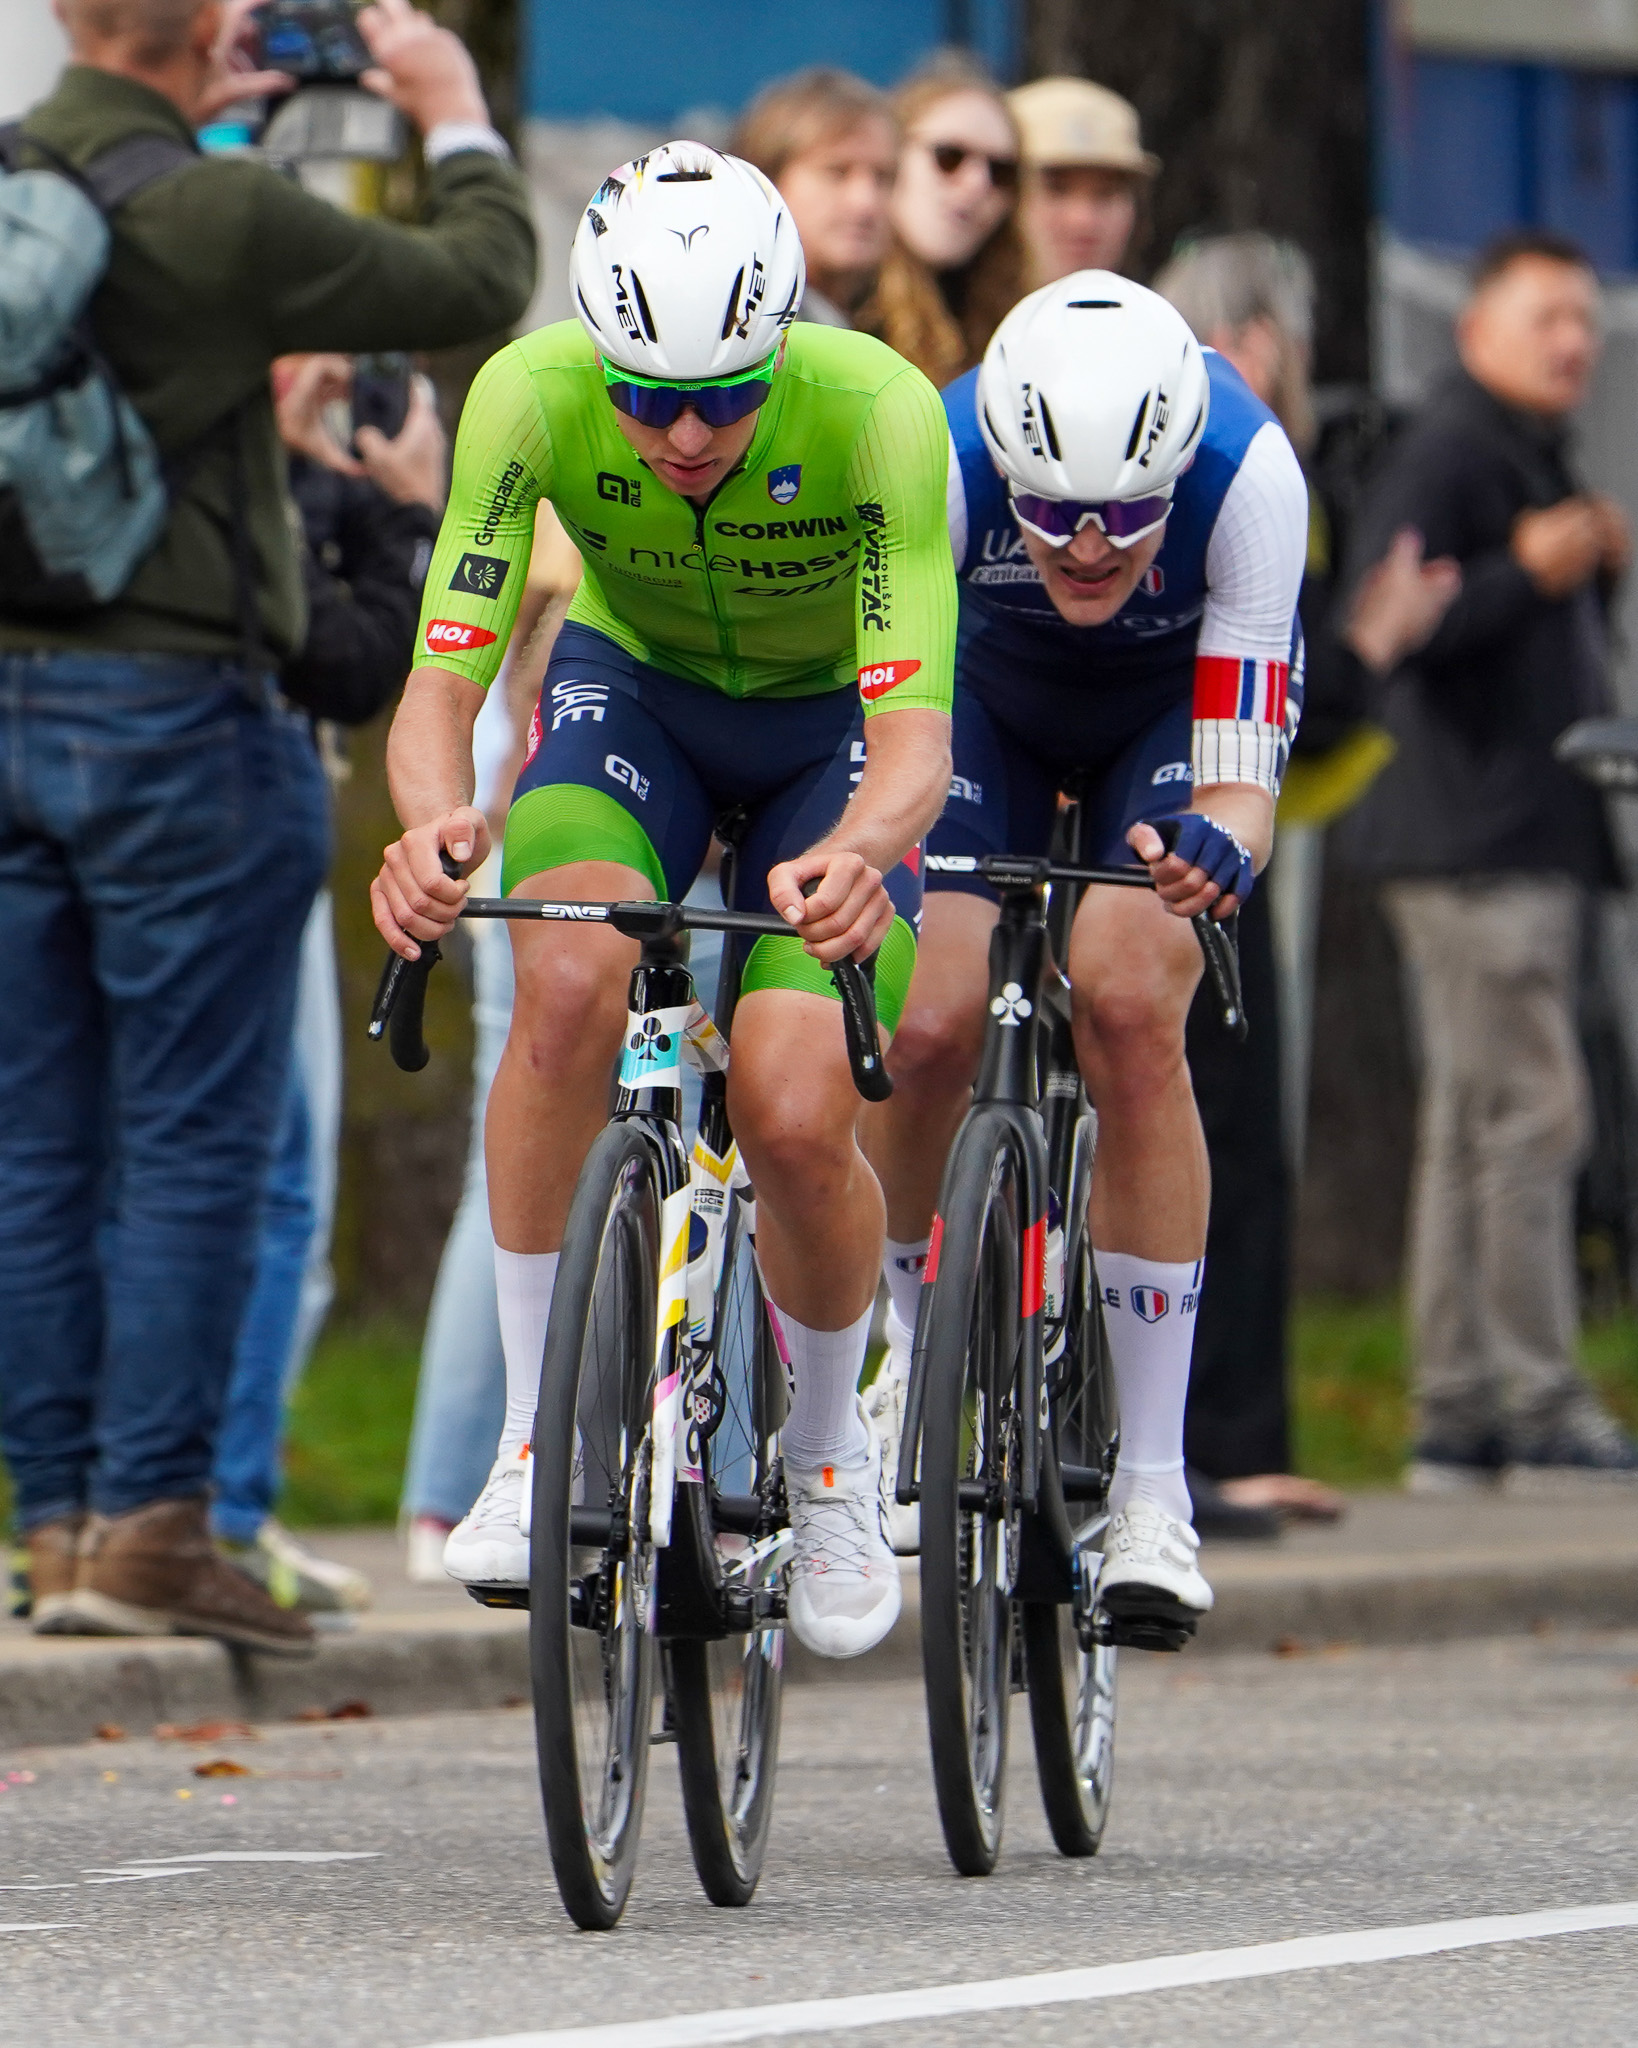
(170, 1112)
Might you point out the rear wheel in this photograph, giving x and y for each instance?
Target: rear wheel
(970, 1523)
(592, 1562)
(726, 1696)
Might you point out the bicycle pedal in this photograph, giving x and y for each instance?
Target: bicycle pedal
(500, 1596)
(1144, 1620)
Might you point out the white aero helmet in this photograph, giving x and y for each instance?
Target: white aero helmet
(1093, 388)
(686, 265)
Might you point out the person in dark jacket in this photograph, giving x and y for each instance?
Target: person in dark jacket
(161, 810)
(1490, 849)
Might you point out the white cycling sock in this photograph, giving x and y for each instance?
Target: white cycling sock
(1149, 1311)
(903, 1264)
(822, 1369)
(523, 1292)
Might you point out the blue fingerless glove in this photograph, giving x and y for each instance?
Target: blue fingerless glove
(1211, 847)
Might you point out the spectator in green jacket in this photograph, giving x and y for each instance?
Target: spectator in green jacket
(162, 816)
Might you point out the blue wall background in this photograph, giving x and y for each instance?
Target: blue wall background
(648, 62)
(1467, 148)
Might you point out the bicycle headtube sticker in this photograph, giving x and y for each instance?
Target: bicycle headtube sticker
(450, 636)
(652, 1054)
(884, 676)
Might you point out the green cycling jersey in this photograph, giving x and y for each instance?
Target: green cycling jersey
(821, 560)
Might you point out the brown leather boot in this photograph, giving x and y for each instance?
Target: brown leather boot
(52, 1549)
(156, 1572)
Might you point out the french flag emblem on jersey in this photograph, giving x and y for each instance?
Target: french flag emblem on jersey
(1149, 1304)
(1240, 686)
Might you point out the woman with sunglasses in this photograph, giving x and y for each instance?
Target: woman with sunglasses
(956, 264)
(765, 628)
(1129, 525)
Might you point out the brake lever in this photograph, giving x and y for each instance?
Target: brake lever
(399, 1008)
(855, 984)
(1220, 943)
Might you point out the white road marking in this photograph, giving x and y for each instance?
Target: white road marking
(1066, 1987)
(258, 1856)
(34, 1926)
(139, 1876)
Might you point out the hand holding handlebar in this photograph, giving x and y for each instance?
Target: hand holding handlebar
(419, 892)
(1197, 864)
(835, 903)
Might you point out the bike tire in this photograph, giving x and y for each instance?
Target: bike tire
(591, 1645)
(1072, 1687)
(726, 1696)
(971, 1432)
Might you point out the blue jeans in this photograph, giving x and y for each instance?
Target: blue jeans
(163, 829)
(294, 1284)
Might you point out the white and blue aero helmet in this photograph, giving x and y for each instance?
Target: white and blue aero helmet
(1093, 388)
(686, 265)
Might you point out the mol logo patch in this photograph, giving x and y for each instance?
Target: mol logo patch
(887, 675)
(449, 636)
(1149, 1304)
(783, 484)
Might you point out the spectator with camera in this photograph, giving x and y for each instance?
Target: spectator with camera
(162, 830)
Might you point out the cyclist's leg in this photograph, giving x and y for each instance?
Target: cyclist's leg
(1134, 968)
(605, 809)
(1001, 801)
(819, 1221)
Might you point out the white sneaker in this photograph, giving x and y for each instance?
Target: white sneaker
(424, 1542)
(884, 1401)
(488, 1547)
(844, 1579)
(1147, 1550)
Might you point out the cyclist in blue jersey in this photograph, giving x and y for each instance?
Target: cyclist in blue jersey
(1129, 525)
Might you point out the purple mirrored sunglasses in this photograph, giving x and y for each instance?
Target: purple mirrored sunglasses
(1121, 521)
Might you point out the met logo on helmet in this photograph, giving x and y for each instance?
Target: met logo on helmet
(887, 675)
(449, 636)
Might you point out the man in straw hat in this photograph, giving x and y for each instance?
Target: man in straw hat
(1086, 171)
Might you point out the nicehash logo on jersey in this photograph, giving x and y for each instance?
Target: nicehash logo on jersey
(480, 575)
(783, 484)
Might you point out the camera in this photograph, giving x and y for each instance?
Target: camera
(315, 42)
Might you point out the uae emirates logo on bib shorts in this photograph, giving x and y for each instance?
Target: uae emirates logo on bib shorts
(887, 675)
(449, 636)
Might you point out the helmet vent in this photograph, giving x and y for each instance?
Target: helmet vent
(1137, 425)
(1050, 431)
(732, 312)
(1199, 422)
(586, 312)
(642, 307)
(684, 178)
(1094, 305)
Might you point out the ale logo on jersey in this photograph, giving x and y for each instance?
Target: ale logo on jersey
(1149, 1304)
(450, 636)
(886, 675)
(783, 484)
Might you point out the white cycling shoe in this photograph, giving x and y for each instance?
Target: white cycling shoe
(487, 1547)
(1149, 1562)
(844, 1593)
(884, 1402)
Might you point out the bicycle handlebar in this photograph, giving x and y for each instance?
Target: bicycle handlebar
(1218, 940)
(401, 995)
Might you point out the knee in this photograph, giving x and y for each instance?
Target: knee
(567, 1011)
(1131, 1030)
(791, 1147)
(935, 1050)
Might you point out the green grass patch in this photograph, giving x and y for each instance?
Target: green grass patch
(1350, 1397)
(350, 1426)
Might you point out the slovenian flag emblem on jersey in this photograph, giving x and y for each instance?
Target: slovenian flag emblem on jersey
(1240, 686)
(1149, 1304)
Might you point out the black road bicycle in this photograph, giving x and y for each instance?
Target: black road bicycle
(1010, 1421)
(659, 1527)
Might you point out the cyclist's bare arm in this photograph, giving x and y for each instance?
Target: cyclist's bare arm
(429, 771)
(906, 779)
(1245, 809)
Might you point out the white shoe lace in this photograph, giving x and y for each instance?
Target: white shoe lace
(500, 1498)
(837, 1533)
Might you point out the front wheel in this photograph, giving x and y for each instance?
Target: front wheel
(970, 1520)
(591, 1614)
(726, 1695)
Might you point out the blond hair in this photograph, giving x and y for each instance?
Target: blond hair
(943, 322)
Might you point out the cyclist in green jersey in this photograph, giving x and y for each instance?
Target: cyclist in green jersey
(764, 633)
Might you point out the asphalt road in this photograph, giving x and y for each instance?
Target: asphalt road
(1257, 1800)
